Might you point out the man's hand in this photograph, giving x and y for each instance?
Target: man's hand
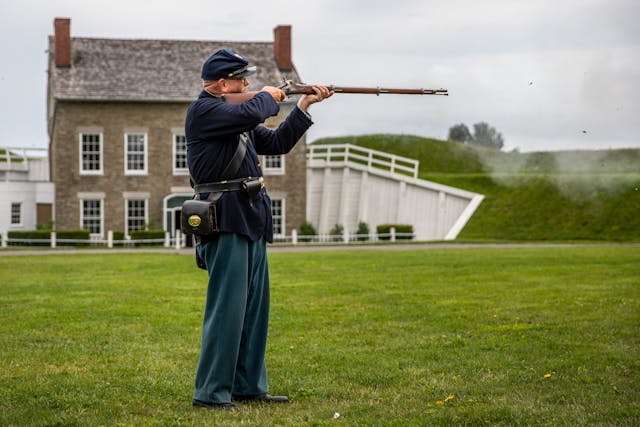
(321, 93)
(277, 94)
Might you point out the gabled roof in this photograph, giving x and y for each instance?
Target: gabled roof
(148, 70)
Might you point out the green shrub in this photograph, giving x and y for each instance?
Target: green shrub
(362, 231)
(118, 236)
(306, 229)
(39, 235)
(336, 233)
(73, 235)
(384, 230)
(82, 235)
(147, 235)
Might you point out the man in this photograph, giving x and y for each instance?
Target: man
(234, 333)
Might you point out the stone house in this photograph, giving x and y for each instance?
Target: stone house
(116, 110)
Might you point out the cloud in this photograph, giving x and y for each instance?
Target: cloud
(582, 59)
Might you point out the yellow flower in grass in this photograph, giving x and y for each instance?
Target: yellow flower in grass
(446, 400)
(547, 375)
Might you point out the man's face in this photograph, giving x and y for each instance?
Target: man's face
(237, 85)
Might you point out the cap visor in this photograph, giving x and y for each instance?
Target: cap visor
(248, 72)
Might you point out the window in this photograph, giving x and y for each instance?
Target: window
(91, 153)
(16, 213)
(273, 165)
(91, 216)
(136, 215)
(277, 212)
(180, 166)
(135, 153)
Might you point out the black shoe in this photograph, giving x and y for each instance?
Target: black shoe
(265, 398)
(214, 405)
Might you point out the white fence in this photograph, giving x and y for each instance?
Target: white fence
(346, 238)
(349, 153)
(179, 241)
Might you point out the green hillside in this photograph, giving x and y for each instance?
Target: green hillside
(569, 195)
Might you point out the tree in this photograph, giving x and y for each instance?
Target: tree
(483, 135)
(487, 136)
(460, 133)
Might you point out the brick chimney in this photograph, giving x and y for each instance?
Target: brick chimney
(282, 46)
(62, 37)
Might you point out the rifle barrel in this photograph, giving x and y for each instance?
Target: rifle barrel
(382, 90)
(371, 90)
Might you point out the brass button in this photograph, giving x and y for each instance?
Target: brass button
(194, 220)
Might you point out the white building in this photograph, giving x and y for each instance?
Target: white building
(26, 193)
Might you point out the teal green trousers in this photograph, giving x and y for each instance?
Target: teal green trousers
(236, 318)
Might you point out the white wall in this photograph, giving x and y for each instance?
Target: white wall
(29, 194)
(346, 193)
(27, 183)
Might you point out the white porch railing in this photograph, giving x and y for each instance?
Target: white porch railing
(372, 159)
(19, 156)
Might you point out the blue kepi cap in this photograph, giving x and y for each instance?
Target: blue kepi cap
(226, 64)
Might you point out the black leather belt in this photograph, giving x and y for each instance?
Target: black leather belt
(216, 187)
(232, 185)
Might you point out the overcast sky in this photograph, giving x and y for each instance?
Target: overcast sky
(547, 74)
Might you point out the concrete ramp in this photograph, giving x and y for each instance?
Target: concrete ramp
(348, 184)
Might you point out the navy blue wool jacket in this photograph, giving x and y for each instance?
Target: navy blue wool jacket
(212, 129)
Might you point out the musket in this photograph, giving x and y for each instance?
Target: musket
(293, 88)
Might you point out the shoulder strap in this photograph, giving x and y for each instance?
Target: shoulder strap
(233, 166)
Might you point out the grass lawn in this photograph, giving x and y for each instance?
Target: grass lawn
(523, 336)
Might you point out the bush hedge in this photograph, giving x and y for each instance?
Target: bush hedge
(147, 235)
(384, 230)
(83, 237)
(362, 231)
(46, 235)
(307, 229)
